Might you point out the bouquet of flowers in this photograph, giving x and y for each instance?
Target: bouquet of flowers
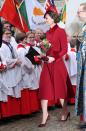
(44, 46)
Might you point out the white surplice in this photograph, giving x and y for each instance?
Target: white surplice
(12, 77)
(3, 88)
(71, 65)
(29, 77)
(13, 42)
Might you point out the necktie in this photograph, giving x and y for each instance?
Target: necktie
(10, 47)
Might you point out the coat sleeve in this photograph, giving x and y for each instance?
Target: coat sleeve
(63, 43)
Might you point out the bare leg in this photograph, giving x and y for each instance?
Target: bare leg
(44, 105)
(64, 108)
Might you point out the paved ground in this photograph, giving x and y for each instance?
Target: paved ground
(29, 123)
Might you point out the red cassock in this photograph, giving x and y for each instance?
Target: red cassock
(53, 80)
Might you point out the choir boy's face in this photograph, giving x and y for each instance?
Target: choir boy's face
(6, 26)
(30, 38)
(7, 36)
(38, 34)
(24, 41)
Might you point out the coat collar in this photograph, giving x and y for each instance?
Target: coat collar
(20, 46)
(53, 28)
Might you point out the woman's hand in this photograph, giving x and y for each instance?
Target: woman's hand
(50, 59)
(41, 56)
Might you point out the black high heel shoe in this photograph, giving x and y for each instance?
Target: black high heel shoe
(44, 124)
(67, 117)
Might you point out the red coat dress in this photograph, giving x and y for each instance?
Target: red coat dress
(54, 75)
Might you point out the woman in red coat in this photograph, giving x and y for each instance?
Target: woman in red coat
(54, 74)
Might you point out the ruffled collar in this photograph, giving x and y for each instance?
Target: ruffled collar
(20, 46)
(53, 28)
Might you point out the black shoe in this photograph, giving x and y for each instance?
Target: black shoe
(44, 124)
(83, 126)
(68, 116)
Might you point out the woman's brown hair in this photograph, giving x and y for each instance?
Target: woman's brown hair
(53, 15)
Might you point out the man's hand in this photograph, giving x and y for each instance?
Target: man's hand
(18, 62)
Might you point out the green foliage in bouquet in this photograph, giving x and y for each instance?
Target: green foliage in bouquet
(45, 45)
